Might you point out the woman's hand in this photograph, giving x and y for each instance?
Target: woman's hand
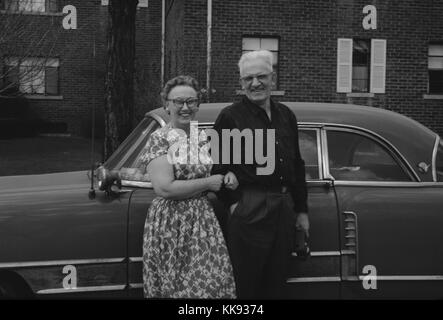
(230, 181)
(215, 182)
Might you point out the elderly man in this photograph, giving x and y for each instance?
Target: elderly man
(266, 209)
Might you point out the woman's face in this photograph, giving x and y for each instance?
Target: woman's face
(183, 104)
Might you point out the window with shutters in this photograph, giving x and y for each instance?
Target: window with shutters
(361, 65)
(34, 76)
(270, 44)
(435, 68)
(29, 5)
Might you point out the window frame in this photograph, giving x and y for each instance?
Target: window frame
(376, 71)
(19, 63)
(276, 69)
(439, 43)
(301, 128)
(384, 144)
(13, 6)
(368, 65)
(438, 144)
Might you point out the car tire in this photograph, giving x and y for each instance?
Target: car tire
(8, 291)
(12, 289)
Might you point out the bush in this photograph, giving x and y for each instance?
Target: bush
(16, 119)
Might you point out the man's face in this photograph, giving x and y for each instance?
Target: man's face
(257, 80)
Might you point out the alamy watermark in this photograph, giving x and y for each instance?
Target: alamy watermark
(185, 150)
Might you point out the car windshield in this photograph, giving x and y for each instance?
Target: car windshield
(127, 158)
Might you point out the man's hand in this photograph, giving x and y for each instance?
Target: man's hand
(302, 222)
(230, 181)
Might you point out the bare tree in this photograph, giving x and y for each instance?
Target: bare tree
(26, 47)
(119, 100)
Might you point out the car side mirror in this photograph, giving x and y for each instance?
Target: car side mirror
(107, 179)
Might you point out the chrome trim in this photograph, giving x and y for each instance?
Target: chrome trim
(405, 278)
(319, 154)
(347, 252)
(159, 119)
(139, 184)
(313, 279)
(322, 254)
(319, 182)
(135, 259)
(353, 246)
(434, 158)
(371, 134)
(146, 184)
(387, 184)
(52, 263)
(325, 253)
(135, 285)
(82, 289)
(301, 125)
(325, 156)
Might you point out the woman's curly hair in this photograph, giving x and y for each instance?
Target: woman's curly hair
(179, 81)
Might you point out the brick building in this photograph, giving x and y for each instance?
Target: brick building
(387, 54)
(72, 83)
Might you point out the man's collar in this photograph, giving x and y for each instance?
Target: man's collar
(256, 108)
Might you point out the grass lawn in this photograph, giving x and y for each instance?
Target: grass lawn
(38, 155)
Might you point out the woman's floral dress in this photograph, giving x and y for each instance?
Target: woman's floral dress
(184, 252)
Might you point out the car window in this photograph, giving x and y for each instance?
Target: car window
(439, 162)
(309, 152)
(354, 157)
(127, 158)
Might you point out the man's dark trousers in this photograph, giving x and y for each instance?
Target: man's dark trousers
(260, 236)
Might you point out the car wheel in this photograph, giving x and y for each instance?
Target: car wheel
(13, 287)
(8, 291)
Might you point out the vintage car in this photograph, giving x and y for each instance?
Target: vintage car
(375, 181)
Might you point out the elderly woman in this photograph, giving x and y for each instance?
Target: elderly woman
(184, 252)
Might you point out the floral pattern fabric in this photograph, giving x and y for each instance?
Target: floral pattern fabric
(184, 252)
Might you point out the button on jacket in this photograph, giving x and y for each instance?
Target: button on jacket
(289, 166)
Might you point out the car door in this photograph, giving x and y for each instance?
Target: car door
(59, 241)
(74, 244)
(391, 223)
(317, 277)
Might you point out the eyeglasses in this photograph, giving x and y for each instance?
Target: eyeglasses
(260, 77)
(192, 103)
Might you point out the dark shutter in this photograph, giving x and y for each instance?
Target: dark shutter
(51, 5)
(435, 81)
(51, 80)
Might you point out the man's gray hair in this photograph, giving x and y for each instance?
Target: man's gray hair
(265, 55)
